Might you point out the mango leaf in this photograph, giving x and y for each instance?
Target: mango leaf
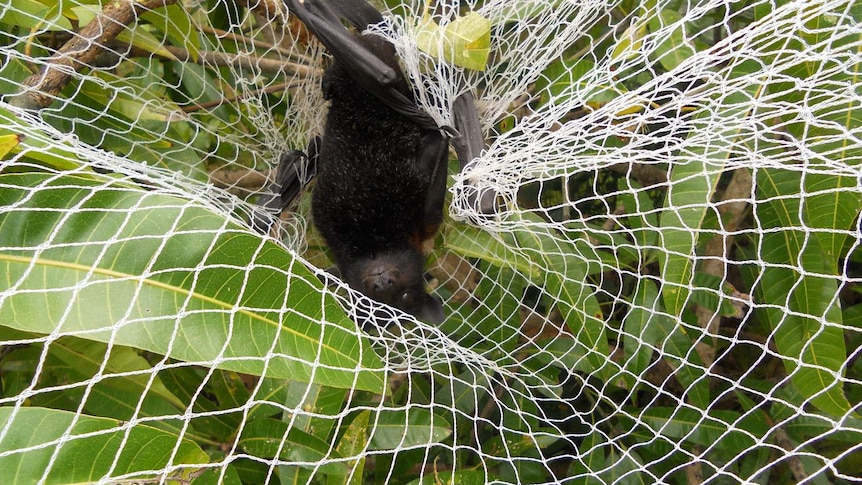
(616, 464)
(567, 266)
(648, 326)
(208, 424)
(474, 243)
(8, 142)
(465, 42)
(734, 433)
(832, 207)
(132, 100)
(640, 331)
(353, 443)
(271, 438)
(561, 268)
(798, 301)
(394, 429)
(86, 448)
(32, 146)
(176, 23)
(111, 263)
(494, 328)
(823, 120)
(562, 80)
(674, 48)
(219, 476)
(125, 388)
(137, 37)
(322, 405)
(640, 214)
(592, 457)
(630, 43)
(461, 477)
(692, 183)
(31, 14)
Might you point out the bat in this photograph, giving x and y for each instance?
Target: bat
(381, 162)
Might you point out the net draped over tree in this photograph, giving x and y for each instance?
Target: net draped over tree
(667, 289)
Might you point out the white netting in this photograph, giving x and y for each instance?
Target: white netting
(668, 291)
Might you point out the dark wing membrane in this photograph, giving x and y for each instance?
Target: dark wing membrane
(295, 170)
(323, 18)
(468, 144)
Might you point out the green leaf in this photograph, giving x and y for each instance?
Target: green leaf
(591, 453)
(519, 443)
(647, 326)
(271, 438)
(675, 48)
(470, 242)
(111, 263)
(321, 401)
(497, 326)
(131, 100)
(208, 423)
(797, 295)
(606, 462)
(826, 117)
(559, 79)
(689, 195)
(832, 206)
(461, 477)
(132, 35)
(640, 214)
(567, 264)
(8, 142)
(33, 146)
(86, 448)
(728, 431)
(712, 293)
(353, 443)
(219, 476)
(125, 388)
(31, 14)
(465, 42)
(320, 406)
(175, 22)
(640, 330)
(558, 266)
(462, 392)
(630, 43)
(394, 429)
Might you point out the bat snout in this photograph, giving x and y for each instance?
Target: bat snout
(396, 278)
(381, 280)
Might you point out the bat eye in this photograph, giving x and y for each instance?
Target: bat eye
(407, 298)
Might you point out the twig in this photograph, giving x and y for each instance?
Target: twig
(297, 57)
(715, 254)
(248, 179)
(40, 89)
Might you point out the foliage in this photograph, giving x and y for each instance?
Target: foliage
(215, 358)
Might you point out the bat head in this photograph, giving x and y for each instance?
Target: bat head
(396, 278)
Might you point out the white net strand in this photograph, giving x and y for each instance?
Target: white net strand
(666, 292)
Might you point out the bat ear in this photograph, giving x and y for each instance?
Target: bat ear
(431, 309)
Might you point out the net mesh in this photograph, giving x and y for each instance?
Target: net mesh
(666, 292)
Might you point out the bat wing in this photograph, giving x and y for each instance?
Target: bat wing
(295, 170)
(323, 19)
(375, 75)
(468, 144)
(432, 159)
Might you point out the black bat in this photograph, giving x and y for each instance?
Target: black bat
(381, 164)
